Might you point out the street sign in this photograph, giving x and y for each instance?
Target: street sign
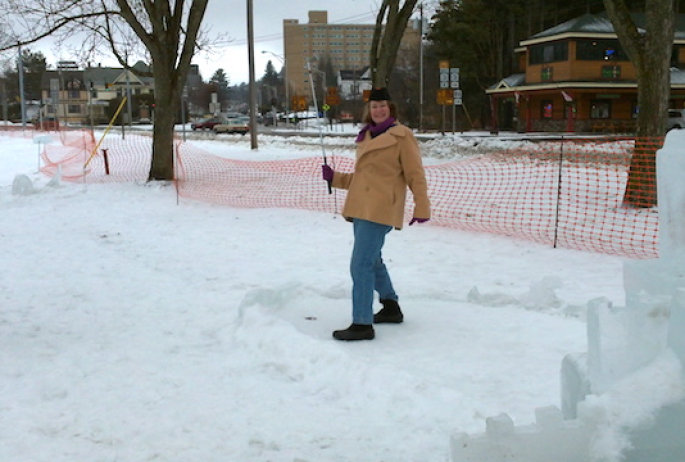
(454, 77)
(445, 96)
(298, 103)
(449, 76)
(332, 99)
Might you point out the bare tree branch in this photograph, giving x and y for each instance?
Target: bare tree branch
(168, 34)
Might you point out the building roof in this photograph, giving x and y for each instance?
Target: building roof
(99, 76)
(355, 74)
(102, 75)
(592, 23)
(598, 24)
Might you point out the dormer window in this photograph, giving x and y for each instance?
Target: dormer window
(548, 53)
(600, 50)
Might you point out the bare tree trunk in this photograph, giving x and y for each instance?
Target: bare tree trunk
(650, 53)
(386, 41)
(166, 107)
(171, 52)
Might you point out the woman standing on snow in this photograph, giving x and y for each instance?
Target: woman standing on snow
(388, 161)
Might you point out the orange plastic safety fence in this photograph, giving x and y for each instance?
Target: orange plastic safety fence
(582, 194)
(567, 194)
(17, 131)
(128, 159)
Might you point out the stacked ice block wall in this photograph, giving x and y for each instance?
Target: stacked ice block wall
(621, 340)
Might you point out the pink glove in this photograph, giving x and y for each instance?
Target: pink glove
(327, 172)
(418, 220)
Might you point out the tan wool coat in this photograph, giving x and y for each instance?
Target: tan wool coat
(385, 167)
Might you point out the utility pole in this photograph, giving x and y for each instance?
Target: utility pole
(4, 100)
(252, 89)
(421, 68)
(128, 94)
(21, 88)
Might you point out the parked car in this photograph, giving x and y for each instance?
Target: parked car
(235, 125)
(268, 119)
(207, 124)
(676, 119)
(346, 117)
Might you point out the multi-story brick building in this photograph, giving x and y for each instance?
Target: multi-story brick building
(345, 46)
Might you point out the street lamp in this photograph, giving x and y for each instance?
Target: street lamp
(287, 83)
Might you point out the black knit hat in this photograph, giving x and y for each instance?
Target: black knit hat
(379, 94)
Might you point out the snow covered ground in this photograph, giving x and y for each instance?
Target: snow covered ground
(133, 328)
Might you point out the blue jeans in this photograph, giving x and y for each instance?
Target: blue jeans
(368, 270)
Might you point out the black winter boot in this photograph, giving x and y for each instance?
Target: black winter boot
(390, 313)
(355, 332)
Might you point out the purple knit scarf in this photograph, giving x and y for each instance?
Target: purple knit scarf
(375, 129)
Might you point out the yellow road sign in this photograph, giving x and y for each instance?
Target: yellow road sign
(445, 96)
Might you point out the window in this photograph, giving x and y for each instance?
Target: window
(611, 72)
(74, 109)
(73, 89)
(547, 109)
(600, 50)
(674, 56)
(548, 53)
(546, 73)
(600, 109)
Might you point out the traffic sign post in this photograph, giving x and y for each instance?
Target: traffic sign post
(298, 103)
(454, 77)
(449, 92)
(332, 96)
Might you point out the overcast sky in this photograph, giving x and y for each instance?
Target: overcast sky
(231, 18)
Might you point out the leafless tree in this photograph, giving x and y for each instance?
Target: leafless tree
(168, 31)
(649, 49)
(386, 40)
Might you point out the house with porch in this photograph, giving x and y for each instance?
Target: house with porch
(82, 96)
(576, 77)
